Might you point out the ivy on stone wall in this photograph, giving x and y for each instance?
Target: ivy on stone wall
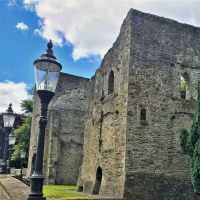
(190, 144)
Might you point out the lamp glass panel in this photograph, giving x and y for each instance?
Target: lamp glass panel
(23, 154)
(47, 75)
(8, 120)
(12, 139)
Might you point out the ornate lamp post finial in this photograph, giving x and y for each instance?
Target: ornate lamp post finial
(10, 110)
(49, 44)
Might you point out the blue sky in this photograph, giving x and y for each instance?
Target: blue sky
(82, 31)
(19, 48)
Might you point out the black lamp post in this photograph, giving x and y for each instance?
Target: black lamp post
(11, 142)
(22, 156)
(8, 120)
(47, 71)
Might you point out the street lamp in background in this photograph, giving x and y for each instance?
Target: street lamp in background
(8, 120)
(11, 142)
(22, 156)
(47, 71)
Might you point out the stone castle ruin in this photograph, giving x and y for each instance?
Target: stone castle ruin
(118, 132)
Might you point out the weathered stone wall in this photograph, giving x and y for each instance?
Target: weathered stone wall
(161, 51)
(34, 134)
(139, 160)
(105, 130)
(64, 131)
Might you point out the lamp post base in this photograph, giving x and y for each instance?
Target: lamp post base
(36, 187)
(4, 168)
(8, 170)
(35, 198)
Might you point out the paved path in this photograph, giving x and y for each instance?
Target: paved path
(3, 194)
(12, 189)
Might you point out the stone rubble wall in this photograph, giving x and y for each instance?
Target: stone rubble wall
(138, 160)
(161, 51)
(34, 134)
(64, 132)
(105, 129)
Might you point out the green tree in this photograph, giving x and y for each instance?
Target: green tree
(27, 106)
(22, 132)
(190, 144)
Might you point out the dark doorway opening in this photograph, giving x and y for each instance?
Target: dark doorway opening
(97, 184)
(80, 189)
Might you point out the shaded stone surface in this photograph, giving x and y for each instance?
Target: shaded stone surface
(144, 186)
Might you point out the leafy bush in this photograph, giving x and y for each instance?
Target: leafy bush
(190, 144)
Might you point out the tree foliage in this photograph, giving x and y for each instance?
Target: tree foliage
(190, 144)
(22, 133)
(27, 106)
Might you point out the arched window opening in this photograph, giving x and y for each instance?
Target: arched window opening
(143, 116)
(97, 184)
(111, 82)
(185, 83)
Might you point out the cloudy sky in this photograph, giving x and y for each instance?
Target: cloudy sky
(82, 31)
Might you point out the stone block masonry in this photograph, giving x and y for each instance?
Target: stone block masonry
(140, 156)
(64, 132)
(127, 116)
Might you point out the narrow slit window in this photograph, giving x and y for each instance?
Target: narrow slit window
(111, 82)
(143, 115)
(185, 83)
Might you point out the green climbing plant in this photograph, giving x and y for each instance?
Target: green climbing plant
(190, 144)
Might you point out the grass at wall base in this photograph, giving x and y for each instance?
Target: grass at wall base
(63, 192)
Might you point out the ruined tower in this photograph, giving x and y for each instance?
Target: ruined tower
(64, 132)
(136, 109)
(129, 113)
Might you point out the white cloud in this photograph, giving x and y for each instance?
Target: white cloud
(30, 4)
(11, 92)
(12, 3)
(22, 26)
(91, 26)
(37, 32)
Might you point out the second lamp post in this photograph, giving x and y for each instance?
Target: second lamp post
(11, 142)
(47, 71)
(8, 121)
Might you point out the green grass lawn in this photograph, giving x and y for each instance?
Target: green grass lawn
(61, 191)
